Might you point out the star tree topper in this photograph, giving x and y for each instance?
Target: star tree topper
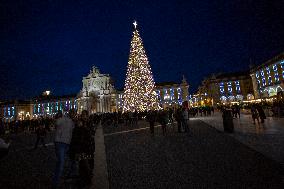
(135, 24)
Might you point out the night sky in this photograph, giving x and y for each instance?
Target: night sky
(53, 44)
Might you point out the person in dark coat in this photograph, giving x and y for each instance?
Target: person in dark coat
(261, 113)
(82, 148)
(178, 118)
(185, 119)
(4, 146)
(40, 133)
(254, 114)
(163, 120)
(151, 118)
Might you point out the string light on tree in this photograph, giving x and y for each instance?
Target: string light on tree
(139, 90)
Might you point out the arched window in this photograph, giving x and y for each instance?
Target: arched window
(223, 99)
(250, 97)
(231, 98)
(271, 92)
(239, 97)
(279, 89)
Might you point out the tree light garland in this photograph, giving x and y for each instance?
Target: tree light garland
(139, 90)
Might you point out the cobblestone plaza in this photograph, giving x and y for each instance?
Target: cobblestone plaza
(204, 158)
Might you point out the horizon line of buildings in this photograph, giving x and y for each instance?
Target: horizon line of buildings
(260, 83)
(97, 95)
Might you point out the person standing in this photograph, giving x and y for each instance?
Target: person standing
(91, 140)
(238, 110)
(162, 117)
(63, 134)
(171, 112)
(4, 146)
(82, 149)
(151, 118)
(261, 113)
(178, 117)
(185, 119)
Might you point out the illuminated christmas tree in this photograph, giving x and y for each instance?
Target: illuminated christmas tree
(139, 91)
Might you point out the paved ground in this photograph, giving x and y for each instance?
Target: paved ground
(33, 169)
(206, 158)
(23, 168)
(267, 138)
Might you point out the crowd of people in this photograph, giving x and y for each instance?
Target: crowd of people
(75, 133)
(30, 125)
(201, 111)
(257, 113)
(74, 136)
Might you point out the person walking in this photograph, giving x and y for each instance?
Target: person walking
(63, 134)
(254, 114)
(41, 134)
(261, 113)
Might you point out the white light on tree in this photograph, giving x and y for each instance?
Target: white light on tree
(139, 90)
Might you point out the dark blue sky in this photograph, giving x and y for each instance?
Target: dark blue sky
(53, 44)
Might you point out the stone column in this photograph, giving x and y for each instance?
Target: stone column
(255, 86)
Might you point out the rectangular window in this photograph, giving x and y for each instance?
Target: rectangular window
(172, 94)
(221, 86)
(230, 89)
(179, 93)
(262, 73)
(13, 110)
(166, 96)
(75, 101)
(276, 76)
(267, 70)
(269, 80)
(48, 108)
(282, 67)
(70, 105)
(263, 82)
(257, 75)
(258, 82)
(158, 95)
(268, 75)
(238, 88)
(51, 107)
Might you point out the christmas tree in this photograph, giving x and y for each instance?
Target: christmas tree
(139, 91)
